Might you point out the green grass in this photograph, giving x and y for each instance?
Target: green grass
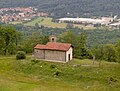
(15, 22)
(33, 22)
(76, 75)
(47, 22)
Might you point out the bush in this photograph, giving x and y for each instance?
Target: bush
(20, 55)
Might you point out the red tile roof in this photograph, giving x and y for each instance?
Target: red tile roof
(54, 46)
(39, 46)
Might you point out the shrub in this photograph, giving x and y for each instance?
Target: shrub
(20, 55)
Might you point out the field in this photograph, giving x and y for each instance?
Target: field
(47, 22)
(15, 22)
(77, 75)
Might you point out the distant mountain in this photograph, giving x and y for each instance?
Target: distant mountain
(69, 7)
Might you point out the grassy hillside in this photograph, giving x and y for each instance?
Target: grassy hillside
(76, 7)
(47, 22)
(77, 75)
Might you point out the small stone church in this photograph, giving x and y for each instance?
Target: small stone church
(54, 51)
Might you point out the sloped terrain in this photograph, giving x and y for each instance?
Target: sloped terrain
(76, 7)
(77, 75)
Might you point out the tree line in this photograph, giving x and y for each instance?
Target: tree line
(94, 37)
(12, 41)
(69, 8)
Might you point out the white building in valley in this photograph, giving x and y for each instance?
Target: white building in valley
(102, 21)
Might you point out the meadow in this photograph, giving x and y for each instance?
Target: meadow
(76, 75)
(47, 22)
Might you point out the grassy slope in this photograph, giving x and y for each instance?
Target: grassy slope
(48, 23)
(40, 76)
(33, 22)
(15, 22)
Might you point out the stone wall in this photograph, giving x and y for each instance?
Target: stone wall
(39, 54)
(55, 55)
(52, 55)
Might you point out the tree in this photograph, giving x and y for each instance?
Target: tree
(31, 41)
(97, 53)
(82, 39)
(68, 37)
(78, 42)
(109, 53)
(8, 37)
(117, 46)
(84, 53)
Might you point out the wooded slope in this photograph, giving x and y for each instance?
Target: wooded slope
(76, 7)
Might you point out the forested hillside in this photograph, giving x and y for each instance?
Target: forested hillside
(74, 7)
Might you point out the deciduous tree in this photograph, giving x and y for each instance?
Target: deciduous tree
(8, 39)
